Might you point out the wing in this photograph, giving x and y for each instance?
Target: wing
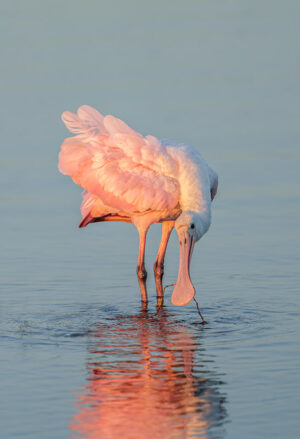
(125, 170)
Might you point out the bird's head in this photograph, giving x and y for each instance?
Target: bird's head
(190, 227)
(191, 222)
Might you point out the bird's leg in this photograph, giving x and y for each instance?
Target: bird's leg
(144, 295)
(140, 269)
(167, 227)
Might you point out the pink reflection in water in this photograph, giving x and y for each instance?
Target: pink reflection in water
(141, 385)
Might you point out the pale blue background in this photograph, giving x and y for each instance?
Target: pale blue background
(221, 75)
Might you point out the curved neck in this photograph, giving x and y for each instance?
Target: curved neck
(194, 183)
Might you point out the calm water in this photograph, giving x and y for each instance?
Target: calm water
(80, 357)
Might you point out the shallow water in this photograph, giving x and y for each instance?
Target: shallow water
(80, 357)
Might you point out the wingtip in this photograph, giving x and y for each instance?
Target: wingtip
(85, 221)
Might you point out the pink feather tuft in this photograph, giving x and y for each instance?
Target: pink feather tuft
(87, 122)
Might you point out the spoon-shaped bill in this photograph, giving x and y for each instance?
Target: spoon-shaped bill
(184, 290)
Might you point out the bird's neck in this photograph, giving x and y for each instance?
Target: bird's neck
(194, 181)
(194, 185)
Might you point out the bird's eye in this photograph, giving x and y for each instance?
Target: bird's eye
(192, 226)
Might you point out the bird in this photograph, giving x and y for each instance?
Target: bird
(141, 180)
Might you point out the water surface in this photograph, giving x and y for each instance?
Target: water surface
(79, 355)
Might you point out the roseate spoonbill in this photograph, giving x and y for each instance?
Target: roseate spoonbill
(142, 180)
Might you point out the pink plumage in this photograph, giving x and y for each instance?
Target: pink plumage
(117, 164)
(139, 179)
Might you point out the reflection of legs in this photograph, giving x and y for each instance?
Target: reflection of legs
(140, 269)
(167, 227)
